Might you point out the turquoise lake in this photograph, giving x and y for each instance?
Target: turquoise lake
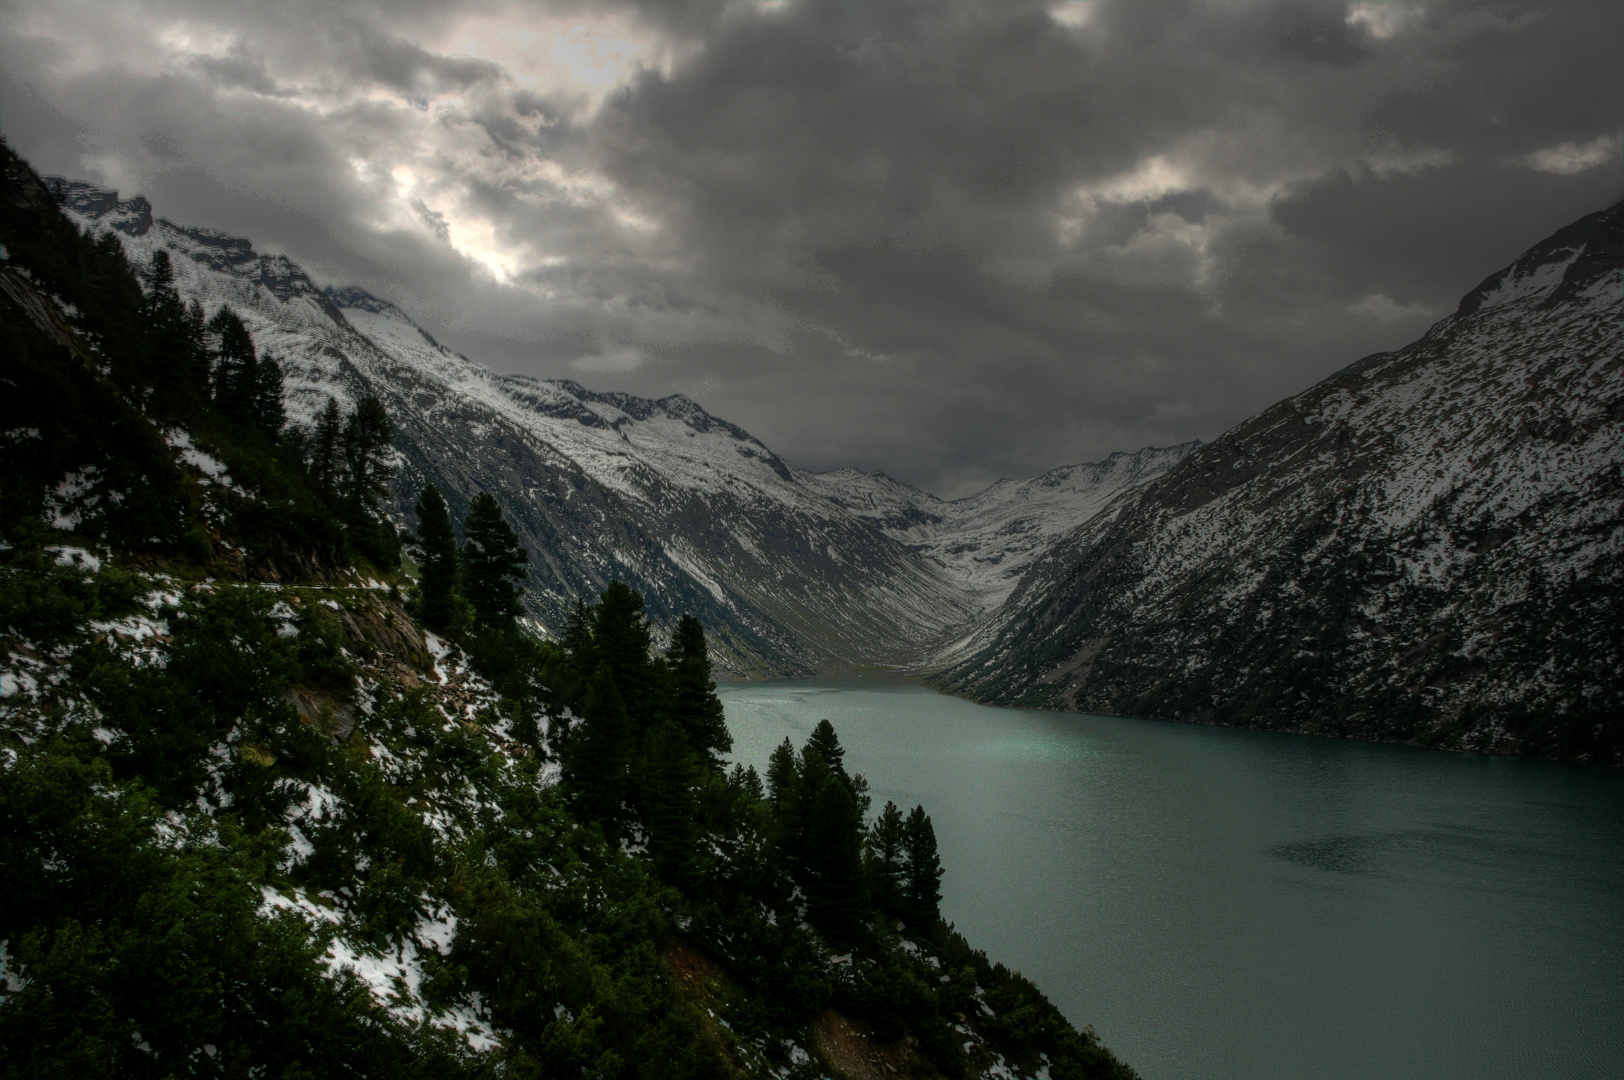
(1237, 905)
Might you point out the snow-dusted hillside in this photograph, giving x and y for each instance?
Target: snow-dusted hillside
(1428, 546)
(989, 540)
(791, 570)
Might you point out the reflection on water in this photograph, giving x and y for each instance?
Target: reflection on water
(1230, 905)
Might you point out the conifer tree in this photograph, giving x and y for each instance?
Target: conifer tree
(694, 703)
(667, 797)
(235, 374)
(159, 278)
(621, 638)
(922, 885)
(491, 556)
(817, 829)
(886, 860)
(784, 796)
(781, 778)
(265, 397)
(577, 641)
(569, 668)
(824, 740)
(168, 342)
(158, 281)
(746, 779)
(826, 744)
(365, 443)
(832, 848)
(197, 348)
(437, 593)
(597, 753)
(325, 452)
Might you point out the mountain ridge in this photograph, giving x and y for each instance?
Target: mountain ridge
(689, 508)
(1423, 548)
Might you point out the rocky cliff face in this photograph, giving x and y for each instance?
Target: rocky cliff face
(793, 572)
(1426, 547)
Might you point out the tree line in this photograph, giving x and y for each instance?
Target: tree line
(145, 361)
(640, 733)
(191, 362)
(643, 736)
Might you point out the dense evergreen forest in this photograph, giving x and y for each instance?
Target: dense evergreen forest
(286, 793)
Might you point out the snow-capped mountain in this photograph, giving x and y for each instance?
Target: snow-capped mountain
(794, 572)
(990, 539)
(1427, 547)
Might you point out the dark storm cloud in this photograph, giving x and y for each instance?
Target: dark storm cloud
(950, 240)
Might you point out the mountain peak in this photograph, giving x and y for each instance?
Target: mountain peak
(102, 205)
(353, 297)
(1424, 548)
(1544, 267)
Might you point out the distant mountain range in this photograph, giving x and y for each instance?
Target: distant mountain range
(794, 572)
(1426, 547)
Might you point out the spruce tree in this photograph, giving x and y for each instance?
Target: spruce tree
(824, 740)
(325, 450)
(491, 556)
(667, 797)
(886, 860)
(832, 840)
(577, 641)
(365, 445)
(826, 744)
(158, 281)
(437, 594)
(265, 397)
(168, 344)
(784, 797)
(922, 884)
(197, 348)
(621, 638)
(569, 668)
(597, 752)
(781, 778)
(817, 830)
(694, 703)
(235, 374)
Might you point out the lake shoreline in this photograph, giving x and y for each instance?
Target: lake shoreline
(1220, 904)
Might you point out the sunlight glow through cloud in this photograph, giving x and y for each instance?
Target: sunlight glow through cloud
(1073, 14)
(770, 197)
(1384, 19)
(583, 57)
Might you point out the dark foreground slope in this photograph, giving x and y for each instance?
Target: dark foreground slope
(1427, 547)
(256, 821)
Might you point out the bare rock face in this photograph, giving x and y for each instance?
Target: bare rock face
(1426, 547)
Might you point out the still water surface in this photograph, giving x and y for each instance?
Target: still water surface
(1236, 905)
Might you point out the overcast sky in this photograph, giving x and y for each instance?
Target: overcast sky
(954, 241)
